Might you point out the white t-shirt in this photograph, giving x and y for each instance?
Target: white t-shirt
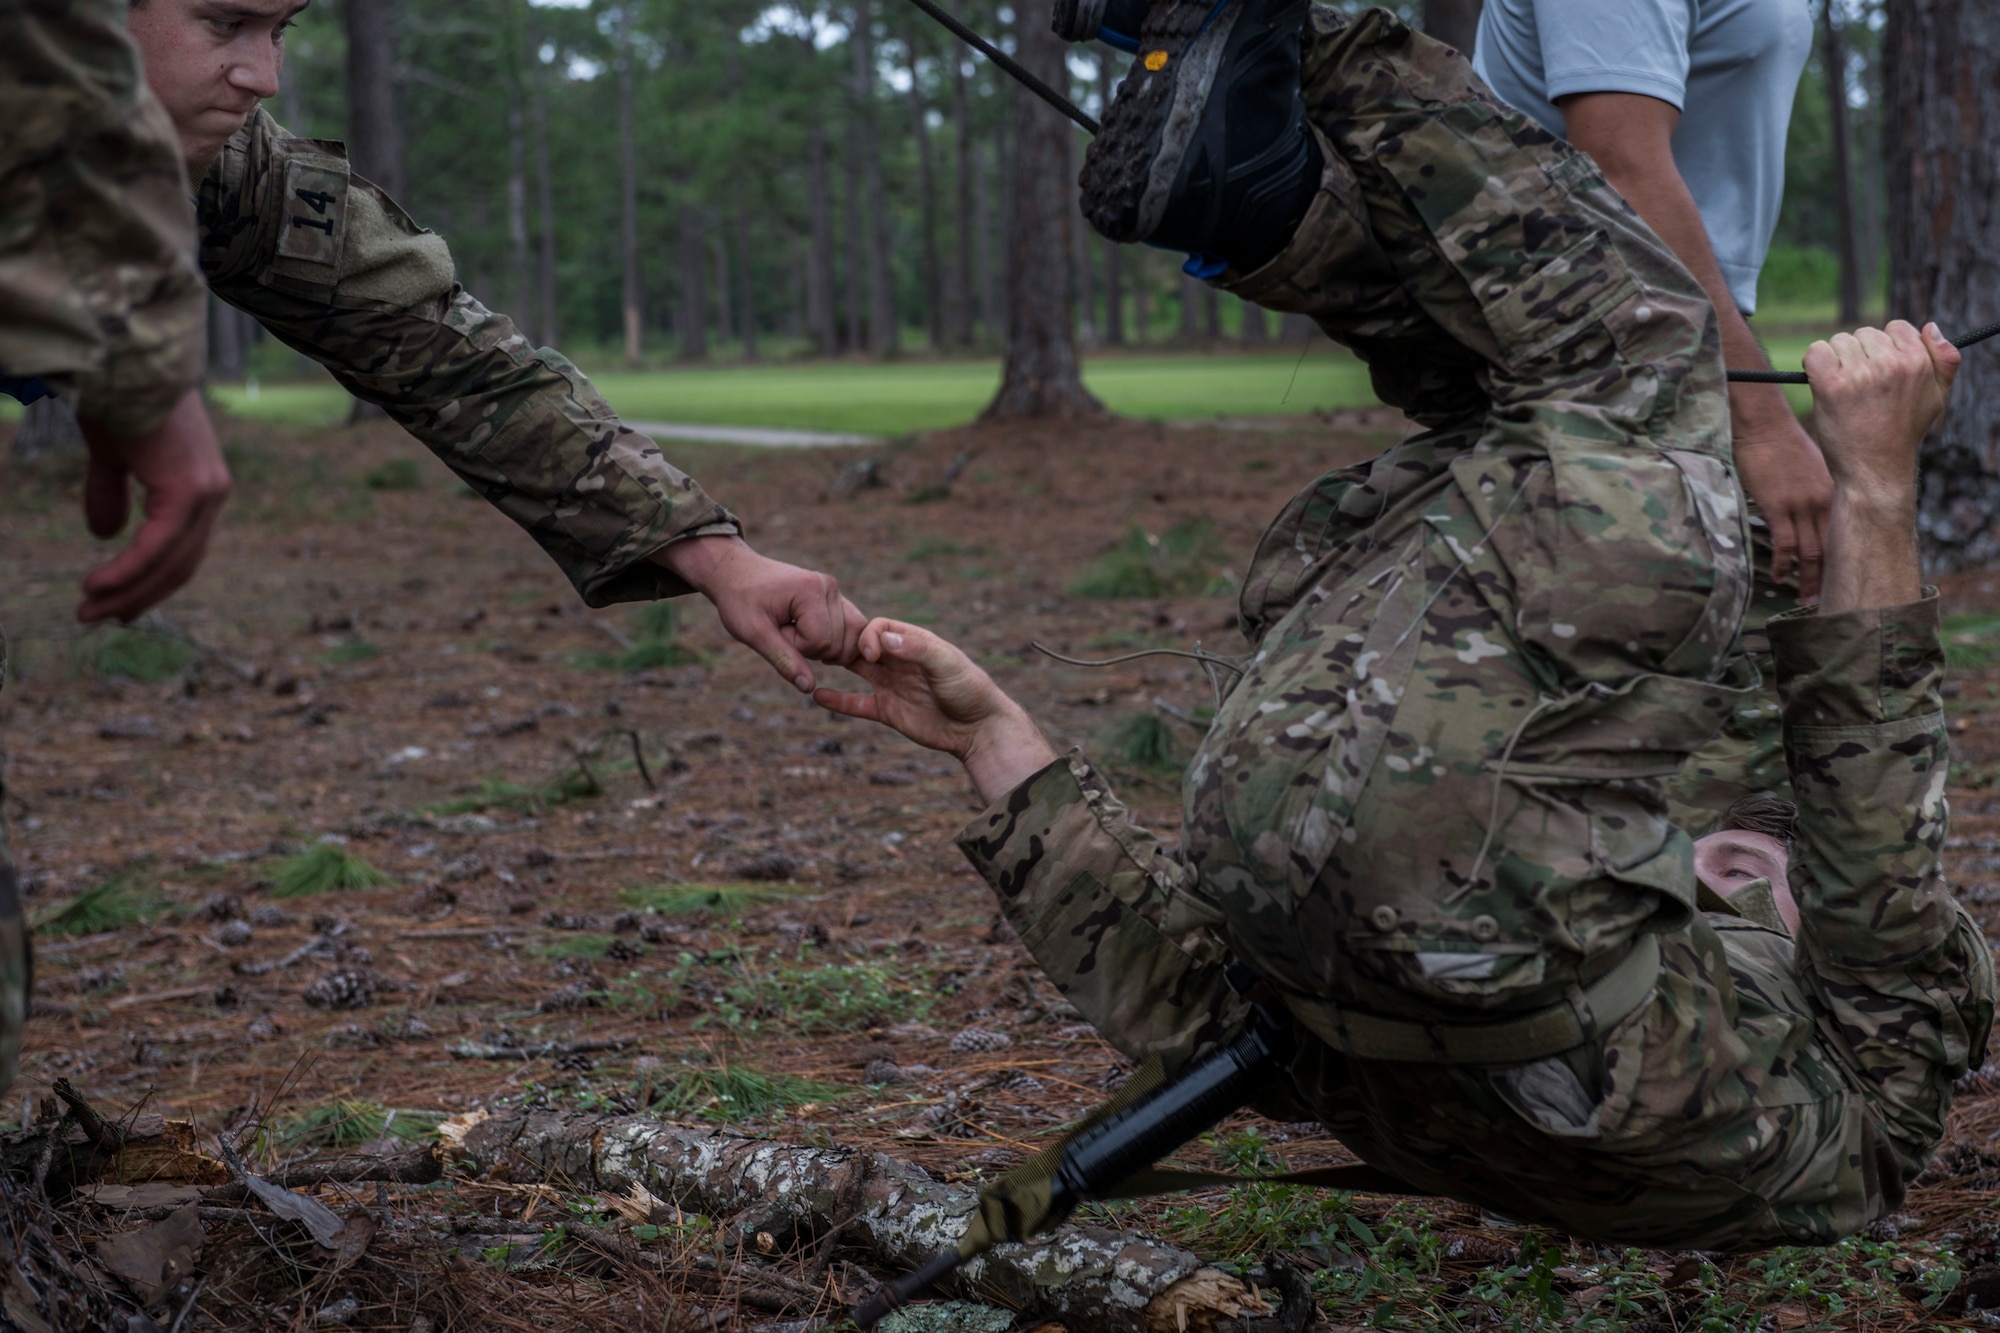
(1731, 66)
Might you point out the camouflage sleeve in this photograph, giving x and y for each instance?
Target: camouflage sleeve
(1902, 975)
(333, 268)
(1112, 918)
(99, 294)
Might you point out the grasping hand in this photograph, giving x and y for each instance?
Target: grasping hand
(1876, 392)
(786, 615)
(934, 694)
(1783, 472)
(179, 467)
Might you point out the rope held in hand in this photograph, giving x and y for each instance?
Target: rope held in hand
(1978, 335)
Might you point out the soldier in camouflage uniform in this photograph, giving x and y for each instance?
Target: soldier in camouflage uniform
(1432, 811)
(100, 303)
(329, 263)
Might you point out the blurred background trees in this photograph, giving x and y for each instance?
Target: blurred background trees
(652, 181)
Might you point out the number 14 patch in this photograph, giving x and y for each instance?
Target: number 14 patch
(315, 213)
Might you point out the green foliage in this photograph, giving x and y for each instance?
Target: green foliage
(398, 474)
(349, 1123)
(655, 643)
(349, 651)
(1145, 740)
(1972, 641)
(705, 899)
(1187, 558)
(128, 898)
(500, 794)
(584, 944)
(324, 868)
(796, 996)
(1252, 1221)
(144, 655)
(731, 1093)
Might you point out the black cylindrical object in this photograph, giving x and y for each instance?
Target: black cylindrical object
(1077, 20)
(1190, 1103)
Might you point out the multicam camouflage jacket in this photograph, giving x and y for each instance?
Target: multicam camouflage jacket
(1437, 799)
(335, 269)
(99, 295)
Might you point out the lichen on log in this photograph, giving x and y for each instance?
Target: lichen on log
(892, 1212)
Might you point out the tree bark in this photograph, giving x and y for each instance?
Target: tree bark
(961, 305)
(1040, 377)
(725, 324)
(628, 194)
(1086, 1277)
(1114, 295)
(1255, 330)
(746, 283)
(374, 130)
(822, 323)
(1142, 300)
(545, 194)
(926, 200)
(882, 329)
(854, 334)
(692, 317)
(1453, 22)
(1190, 310)
(521, 278)
(1833, 62)
(1942, 102)
(1296, 328)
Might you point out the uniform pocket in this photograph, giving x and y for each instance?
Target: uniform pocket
(1563, 300)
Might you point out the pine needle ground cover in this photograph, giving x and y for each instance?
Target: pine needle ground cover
(769, 930)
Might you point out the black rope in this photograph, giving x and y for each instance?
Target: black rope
(1009, 64)
(1978, 335)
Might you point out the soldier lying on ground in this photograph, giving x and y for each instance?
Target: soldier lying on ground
(1432, 811)
(332, 267)
(1497, 1000)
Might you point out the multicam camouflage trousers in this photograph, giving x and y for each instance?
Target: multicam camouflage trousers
(1438, 796)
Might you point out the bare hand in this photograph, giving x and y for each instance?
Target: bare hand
(786, 615)
(179, 466)
(929, 690)
(1877, 393)
(1784, 473)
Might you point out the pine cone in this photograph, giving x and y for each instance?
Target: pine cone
(347, 988)
(980, 1041)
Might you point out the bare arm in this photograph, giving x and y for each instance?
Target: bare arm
(1878, 392)
(1631, 138)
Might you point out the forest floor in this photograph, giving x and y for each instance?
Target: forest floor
(375, 668)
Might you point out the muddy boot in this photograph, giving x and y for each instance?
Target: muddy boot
(1205, 148)
(1113, 22)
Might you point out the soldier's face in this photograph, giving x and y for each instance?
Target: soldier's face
(1732, 858)
(210, 62)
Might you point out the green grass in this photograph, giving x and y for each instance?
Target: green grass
(1185, 559)
(324, 868)
(797, 997)
(729, 1093)
(349, 651)
(501, 794)
(350, 1123)
(1972, 641)
(655, 644)
(705, 899)
(128, 898)
(899, 397)
(1145, 740)
(144, 655)
(398, 474)
(583, 945)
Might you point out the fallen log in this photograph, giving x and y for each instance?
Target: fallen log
(892, 1213)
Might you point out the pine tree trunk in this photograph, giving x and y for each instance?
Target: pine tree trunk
(1040, 377)
(853, 335)
(521, 275)
(545, 199)
(746, 282)
(1942, 104)
(692, 316)
(1114, 295)
(882, 328)
(1255, 330)
(990, 215)
(628, 194)
(1190, 310)
(961, 304)
(374, 130)
(725, 323)
(1296, 328)
(1142, 299)
(926, 200)
(1833, 61)
(226, 350)
(822, 324)
(1454, 22)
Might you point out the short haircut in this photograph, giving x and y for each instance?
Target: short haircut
(1761, 812)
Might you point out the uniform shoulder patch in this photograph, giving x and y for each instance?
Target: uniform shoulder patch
(312, 224)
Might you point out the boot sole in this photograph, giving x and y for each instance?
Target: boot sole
(1130, 167)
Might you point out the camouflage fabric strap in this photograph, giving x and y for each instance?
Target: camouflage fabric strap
(1560, 1027)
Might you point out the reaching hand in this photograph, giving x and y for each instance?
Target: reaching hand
(786, 615)
(1877, 391)
(180, 468)
(934, 694)
(1783, 472)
